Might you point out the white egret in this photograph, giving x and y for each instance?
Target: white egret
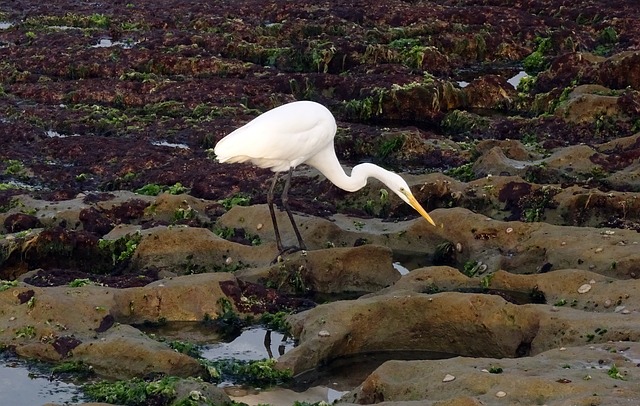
(297, 133)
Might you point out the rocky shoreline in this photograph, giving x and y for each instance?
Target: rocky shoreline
(114, 214)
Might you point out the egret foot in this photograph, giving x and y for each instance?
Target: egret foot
(287, 251)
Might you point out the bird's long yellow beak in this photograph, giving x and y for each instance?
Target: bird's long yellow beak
(414, 203)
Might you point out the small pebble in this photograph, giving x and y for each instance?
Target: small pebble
(228, 261)
(607, 304)
(484, 370)
(12, 318)
(448, 378)
(609, 232)
(509, 230)
(599, 249)
(592, 281)
(555, 309)
(259, 226)
(459, 247)
(563, 243)
(501, 394)
(618, 309)
(563, 348)
(324, 333)
(584, 288)
(626, 311)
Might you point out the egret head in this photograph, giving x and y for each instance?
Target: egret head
(400, 187)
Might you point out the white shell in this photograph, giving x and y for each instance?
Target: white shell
(584, 288)
(448, 378)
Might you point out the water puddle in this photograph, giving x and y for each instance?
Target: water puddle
(400, 268)
(55, 134)
(511, 296)
(16, 184)
(515, 80)
(515, 74)
(5, 25)
(346, 373)
(257, 343)
(63, 27)
(22, 384)
(169, 144)
(252, 344)
(108, 43)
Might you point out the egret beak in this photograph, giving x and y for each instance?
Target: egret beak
(414, 203)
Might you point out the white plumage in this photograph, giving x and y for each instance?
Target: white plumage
(297, 133)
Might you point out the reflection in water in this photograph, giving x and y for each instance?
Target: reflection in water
(23, 385)
(253, 344)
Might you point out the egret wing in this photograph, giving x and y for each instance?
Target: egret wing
(280, 138)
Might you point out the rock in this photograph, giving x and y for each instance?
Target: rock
(494, 162)
(572, 162)
(367, 268)
(20, 222)
(558, 287)
(584, 288)
(431, 280)
(143, 355)
(622, 144)
(184, 298)
(169, 208)
(619, 70)
(465, 324)
(616, 72)
(512, 149)
(490, 92)
(586, 103)
(204, 392)
(339, 231)
(420, 100)
(184, 250)
(584, 368)
(42, 327)
(626, 179)
(531, 244)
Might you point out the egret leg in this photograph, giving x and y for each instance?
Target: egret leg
(267, 343)
(273, 213)
(285, 203)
